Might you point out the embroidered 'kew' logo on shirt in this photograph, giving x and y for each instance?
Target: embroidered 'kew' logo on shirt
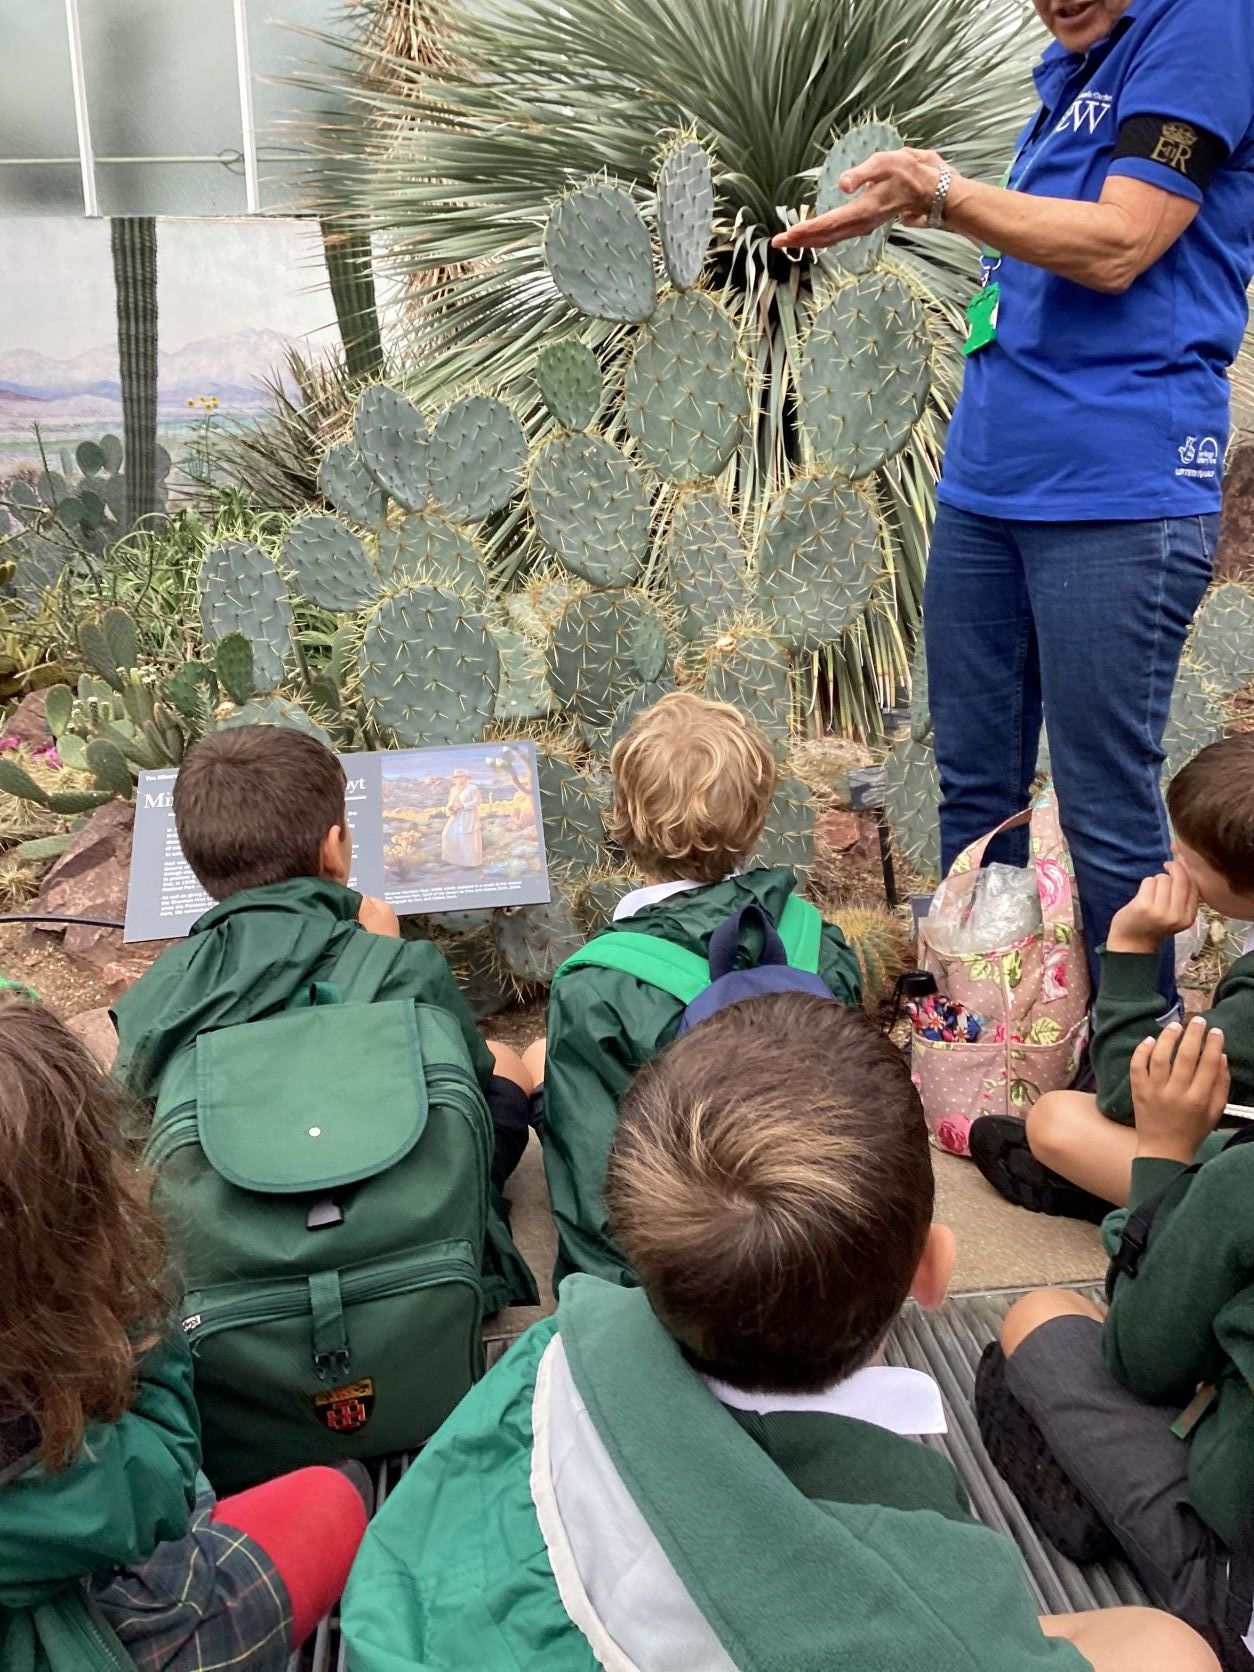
(1087, 114)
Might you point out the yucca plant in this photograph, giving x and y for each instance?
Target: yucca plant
(457, 167)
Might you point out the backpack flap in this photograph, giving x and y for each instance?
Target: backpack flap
(279, 1102)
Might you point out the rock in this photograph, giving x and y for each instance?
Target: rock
(90, 880)
(27, 723)
(852, 833)
(95, 1029)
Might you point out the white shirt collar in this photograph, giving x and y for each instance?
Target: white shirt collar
(639, 898)
(905, 1402)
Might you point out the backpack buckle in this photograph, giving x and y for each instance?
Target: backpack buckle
(333, 1365)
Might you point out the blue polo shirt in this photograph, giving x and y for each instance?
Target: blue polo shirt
(1088, 406)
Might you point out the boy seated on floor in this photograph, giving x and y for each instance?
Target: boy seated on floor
(262, 821)
(718, 1470)
(693, 782)
(1075, 1155)
(1133, 1428)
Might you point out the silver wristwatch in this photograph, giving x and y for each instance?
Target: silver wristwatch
(936, 216)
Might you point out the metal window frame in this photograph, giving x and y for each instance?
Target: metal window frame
(82, 116)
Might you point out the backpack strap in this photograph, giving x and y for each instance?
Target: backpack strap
(676, 971)
(315, 994)
(1140, 1223)
(801, 930)
(725, 942)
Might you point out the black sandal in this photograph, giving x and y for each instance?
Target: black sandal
(1057, 1509)
(999, 1148)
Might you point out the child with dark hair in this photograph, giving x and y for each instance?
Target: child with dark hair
(262, 822)
(718, 1470)
(1074, 1154)
(111, 1544)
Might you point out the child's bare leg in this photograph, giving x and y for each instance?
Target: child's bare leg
(1069, 1134)
(510, 1066)
(533, 1060)
(1039, 1308)
(1133, 1640)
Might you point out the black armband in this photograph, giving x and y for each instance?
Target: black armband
(1193, 152)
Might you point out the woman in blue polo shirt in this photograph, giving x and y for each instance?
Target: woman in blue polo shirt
(1078, 509)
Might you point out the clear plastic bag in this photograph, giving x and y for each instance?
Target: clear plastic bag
(1001, 907)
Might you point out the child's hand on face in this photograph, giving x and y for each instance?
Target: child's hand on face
(1164, 906)
(1180, 1086)
(378, 917)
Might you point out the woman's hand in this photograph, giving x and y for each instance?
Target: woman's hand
(894, 186)
(1180, 1084)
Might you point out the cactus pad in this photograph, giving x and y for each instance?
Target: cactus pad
(597, 249)
(592, 655)
(429, 668)
(241, 591)
(107, 765)
(569, 380)
(535, 941)
(1195, 720)
(855, 255)
(788, 835)
(865, 374)
(392, 439)
(40, 563)
(574, 803)
(475, 458)
(273, 711)
(596, 899)
(817, 562)
(686, 398)
(233, 665)
(524, 690)
(920, 702)
(427, 547)
(911, 803)
(477, 969)
(590, 508)
(344, 481)
(705, 563)
(751, 672)
(1222, 647)
(685, 211)
(328, 565)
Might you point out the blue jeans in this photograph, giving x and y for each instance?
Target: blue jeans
(1084, 621)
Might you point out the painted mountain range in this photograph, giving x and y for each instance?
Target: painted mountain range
(38, 388)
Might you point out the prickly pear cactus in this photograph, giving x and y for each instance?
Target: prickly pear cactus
(747, 670)
(594, 653)
(328, 565)
(685, 211)
(429, 668)
(911, 800)
(590, 508)
(569, 380)
(241, 591)
(345, 483)
(686, 401)
(788, 836)
(817, 563)
(524, 693)
(574, 803)
(598, 251)
(866, 374)
(475, 458)
(855, 255)
(1196, 719)
(426, 547)
(535, 941)
(638, 702)
(1222, 646)
(705, 564)
(392, 439)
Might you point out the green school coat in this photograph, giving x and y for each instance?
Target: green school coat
(131, 1488)
(1129, 1009)
(1187, 1317)
(603, 1026)
(250, 955)
(709, 1548)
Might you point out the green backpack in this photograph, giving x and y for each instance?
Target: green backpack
(324, 1174)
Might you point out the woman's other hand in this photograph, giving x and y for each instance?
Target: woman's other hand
(893, 186)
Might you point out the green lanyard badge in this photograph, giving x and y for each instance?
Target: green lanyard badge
(982, 316)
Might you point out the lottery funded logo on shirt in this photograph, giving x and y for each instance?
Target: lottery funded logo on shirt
(346, 1410)
(1199, 457)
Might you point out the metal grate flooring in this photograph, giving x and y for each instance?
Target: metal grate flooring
(948, 1345)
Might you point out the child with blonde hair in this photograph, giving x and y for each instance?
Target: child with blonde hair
(693, 782)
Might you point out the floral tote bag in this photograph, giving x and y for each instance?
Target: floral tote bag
(1025, 1004)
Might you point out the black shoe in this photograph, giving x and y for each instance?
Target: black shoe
(358, 1476)
(999, 1148)
(1017, 1449)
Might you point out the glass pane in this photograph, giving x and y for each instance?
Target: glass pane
(277, 49)
(37, 114)
(162, 82)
